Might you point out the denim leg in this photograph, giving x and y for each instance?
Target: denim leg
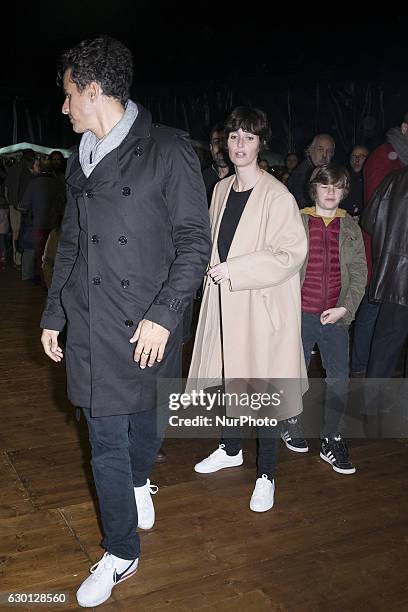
(334, 351)
(231, 438)
(310, 334)
(145, 438)
(363, 333)
(109, 438)
(268, 450)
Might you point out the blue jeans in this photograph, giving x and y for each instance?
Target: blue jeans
(124, 448)
(363, 333)
(333, 343)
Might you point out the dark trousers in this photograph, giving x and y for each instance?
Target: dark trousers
(333, 343)
(124, 448)
(268, 448)
(390, 335)
(363, 332)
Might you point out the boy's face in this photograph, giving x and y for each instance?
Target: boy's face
(328, 197)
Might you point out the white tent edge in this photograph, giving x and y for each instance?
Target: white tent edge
(14, 148)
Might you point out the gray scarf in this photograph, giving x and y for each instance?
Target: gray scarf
(400, 143)
(92, 150)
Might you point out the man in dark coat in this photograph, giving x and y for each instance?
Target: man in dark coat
(134, 245)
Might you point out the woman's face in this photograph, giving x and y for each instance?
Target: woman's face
(243, 148)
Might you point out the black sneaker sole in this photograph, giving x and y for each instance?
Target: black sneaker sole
(336, 468)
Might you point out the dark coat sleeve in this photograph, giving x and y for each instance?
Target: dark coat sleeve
(188, 213)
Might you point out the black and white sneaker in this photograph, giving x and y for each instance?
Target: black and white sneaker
(334, 451)
(293, 437)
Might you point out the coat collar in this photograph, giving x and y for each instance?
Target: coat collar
(109, 168)
(249, 216)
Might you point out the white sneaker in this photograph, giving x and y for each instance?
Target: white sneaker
(105, 574)
(263, 495)
(144, 504)
(218, 460)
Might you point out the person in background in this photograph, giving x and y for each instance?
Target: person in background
(389, 156)
(385, 219)
(221, 166)
(353, 202)
(58, 167)
(291, 161)
(134, 245)
(263, 164)
(318, 153)
(39, 204)
(4, 217)
(26, 234)
(18, 176)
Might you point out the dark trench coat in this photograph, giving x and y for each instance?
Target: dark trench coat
(135, 243)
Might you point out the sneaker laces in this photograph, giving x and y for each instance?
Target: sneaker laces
(262, 482)
(106, 563)
(216, 452)
(148, 489)
(340, 449)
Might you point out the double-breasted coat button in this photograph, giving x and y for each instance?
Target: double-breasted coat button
(126, 191)
(89, 194)
(138, 151)
(96, 280)
(125, 283)
(129, 323)
(122, 240)
(95, 239)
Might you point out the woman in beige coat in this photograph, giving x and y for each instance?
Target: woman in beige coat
(249, 325)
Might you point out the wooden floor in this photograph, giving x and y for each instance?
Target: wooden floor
(331, 543)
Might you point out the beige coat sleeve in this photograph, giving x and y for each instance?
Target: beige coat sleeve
(283, 254)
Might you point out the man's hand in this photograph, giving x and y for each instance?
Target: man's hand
(49, 340)
(332, 315)
(219, 273)
(151, 339)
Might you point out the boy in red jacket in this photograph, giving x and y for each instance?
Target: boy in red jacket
(333, 279)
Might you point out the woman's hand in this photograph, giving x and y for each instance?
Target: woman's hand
(219, 273)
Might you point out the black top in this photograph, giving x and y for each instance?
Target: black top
(232, 214)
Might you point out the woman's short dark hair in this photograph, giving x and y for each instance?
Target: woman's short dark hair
(104, 60)
(329, 174)
(252, 120)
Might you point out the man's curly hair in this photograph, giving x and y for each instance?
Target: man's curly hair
(104, 60)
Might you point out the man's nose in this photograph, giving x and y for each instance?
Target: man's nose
(65, 108)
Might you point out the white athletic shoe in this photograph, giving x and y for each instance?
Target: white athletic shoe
(105, 574)
(263, 495)
(218, 460)
(144, 504)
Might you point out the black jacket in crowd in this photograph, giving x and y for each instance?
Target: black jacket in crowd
(385, 217)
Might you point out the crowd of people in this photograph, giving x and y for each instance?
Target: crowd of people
(282, 261)
(33, 193)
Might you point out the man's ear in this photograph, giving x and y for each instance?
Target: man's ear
(404, 128)
(94, 90)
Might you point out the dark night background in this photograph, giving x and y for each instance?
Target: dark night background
(332, 71)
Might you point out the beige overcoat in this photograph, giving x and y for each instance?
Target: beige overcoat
(250, 326)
